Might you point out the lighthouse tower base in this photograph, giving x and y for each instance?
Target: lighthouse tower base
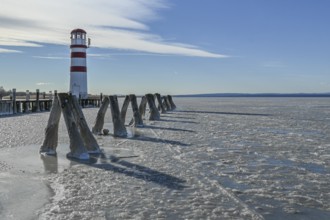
(78, 84)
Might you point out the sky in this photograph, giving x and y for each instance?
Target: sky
(169, 46)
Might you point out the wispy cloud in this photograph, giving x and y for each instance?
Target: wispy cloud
(43, 83)
(110, 23)
(9, 51)
(109, 55)
(51, 57)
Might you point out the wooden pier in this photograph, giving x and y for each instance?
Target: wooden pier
(28, 104)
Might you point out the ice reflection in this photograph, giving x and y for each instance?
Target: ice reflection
(50, 164)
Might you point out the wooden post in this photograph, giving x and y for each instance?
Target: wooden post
(138, 122)
(27, 102)
(51, 132)
(37, 100)
(43, 103)
(154, 113)
(18, 107)
(173, 106)
(14, 101)
(86, 134)
(143, 106)
(119, 128)
(77, 148)
(27, 95)
(99, 122)
(160, 105)
(124, 109)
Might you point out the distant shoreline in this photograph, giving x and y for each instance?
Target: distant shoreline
(266, 95)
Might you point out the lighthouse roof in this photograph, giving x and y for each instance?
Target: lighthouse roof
(78, 30)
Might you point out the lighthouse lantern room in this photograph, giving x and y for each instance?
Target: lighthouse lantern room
(78, 69)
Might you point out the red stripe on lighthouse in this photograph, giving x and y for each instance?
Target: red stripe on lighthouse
(78, 69)
(78, 46)
(78, 55)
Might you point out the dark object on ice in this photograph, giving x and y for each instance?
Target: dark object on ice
(105, 131)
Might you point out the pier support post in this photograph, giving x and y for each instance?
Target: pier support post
(14, 101)
(51, 132)
(100, 101)
(160, 105)
(99, 122)
(123, 110)
(167, 103)
(18, 107)
(154, 113)
(77, 147)
(26, 106)
(137, 119)
(119, 128)
(37, 100)
(143, 106)
(173, 106)
(86, 134)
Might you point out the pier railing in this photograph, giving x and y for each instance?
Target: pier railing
(6, 107)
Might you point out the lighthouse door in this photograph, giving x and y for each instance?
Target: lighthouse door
(76, 90)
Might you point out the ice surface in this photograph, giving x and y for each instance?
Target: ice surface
(211, 158)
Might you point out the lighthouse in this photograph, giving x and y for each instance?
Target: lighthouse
(78, 69)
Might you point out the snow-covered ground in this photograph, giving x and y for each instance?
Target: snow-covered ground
(211, 158)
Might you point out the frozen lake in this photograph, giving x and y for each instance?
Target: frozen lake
(211, 158)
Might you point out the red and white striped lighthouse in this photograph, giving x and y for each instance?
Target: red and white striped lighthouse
(78, 69)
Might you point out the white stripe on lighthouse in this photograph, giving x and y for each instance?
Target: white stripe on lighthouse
(78, 62)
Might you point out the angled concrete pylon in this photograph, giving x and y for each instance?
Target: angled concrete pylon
(137, 119)
(119, 128)
(77, 147)
(173, 106)
(51, 132)
(99, 121)
(154, 113)
(167, 103)
(160, 105)
(87, 136)
(124, 109)
(143, 106)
